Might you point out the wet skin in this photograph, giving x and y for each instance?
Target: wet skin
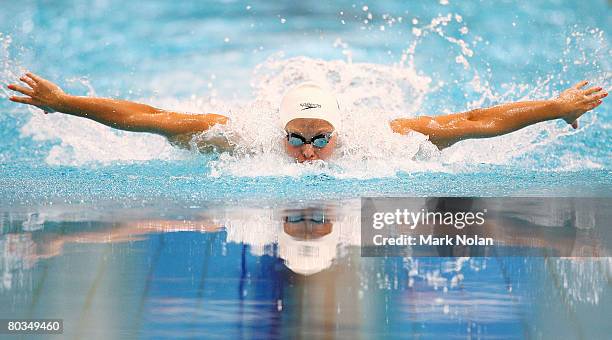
(308, 128)
(442, 130)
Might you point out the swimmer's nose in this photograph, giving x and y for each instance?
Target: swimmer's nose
(308, 152)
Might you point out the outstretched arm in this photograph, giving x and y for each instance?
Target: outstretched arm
(120, 114)
(446, 130)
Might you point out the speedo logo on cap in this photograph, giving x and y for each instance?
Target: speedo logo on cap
(306, 106)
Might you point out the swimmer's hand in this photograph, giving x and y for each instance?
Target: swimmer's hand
(575, 101)
(177, 127)
(39, 92)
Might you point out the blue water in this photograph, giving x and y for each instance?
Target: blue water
(216, 272)
(66, 183)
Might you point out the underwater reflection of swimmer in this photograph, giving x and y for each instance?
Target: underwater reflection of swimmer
(310, 117)
(310, 240)
(270, 257)
(335, 298)
(557, 234)
(475, 227)
(307, 240)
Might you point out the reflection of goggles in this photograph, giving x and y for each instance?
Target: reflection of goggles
(315, 217)
(319, 141)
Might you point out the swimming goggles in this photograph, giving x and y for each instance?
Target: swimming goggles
(317, 218)
(319, 141)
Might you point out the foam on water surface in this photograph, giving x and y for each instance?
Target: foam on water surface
(370, 95)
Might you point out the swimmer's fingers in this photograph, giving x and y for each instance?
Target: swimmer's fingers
(575, 124)
(23, 100)
(592, 90)
(28, 81)
(598, 96)
(22, 89)
(35, 77)
(33, 102)
(596, 104)
(580, 84)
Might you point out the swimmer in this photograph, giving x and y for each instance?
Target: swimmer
(310, 116)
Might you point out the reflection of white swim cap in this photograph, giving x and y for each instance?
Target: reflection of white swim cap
(307, 257)
(309, 100)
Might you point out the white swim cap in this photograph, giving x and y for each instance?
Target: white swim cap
(309, 100)
(307, 257)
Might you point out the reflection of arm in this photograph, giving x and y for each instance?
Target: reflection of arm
(131, 231)
(125, 232)
(510, 233)
(565, 241)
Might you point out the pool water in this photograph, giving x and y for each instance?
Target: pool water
(169, 272)
(123, 235)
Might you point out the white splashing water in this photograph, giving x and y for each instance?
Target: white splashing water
(370, 96)
(84, 142)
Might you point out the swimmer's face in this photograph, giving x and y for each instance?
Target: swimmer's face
(309, 128)
(307, 225)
